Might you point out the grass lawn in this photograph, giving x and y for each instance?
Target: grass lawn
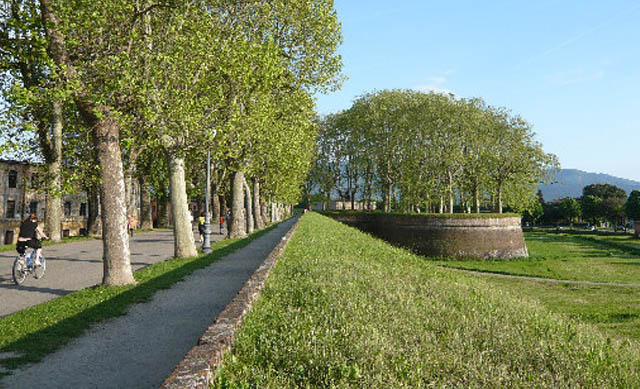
(615, 310)
(342, 309)
(562, 256)
(42, 329)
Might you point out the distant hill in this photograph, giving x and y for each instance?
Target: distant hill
(569, 183)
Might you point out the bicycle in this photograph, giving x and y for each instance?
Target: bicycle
(24, 265)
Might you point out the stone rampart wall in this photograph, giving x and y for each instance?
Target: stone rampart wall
(462, 237)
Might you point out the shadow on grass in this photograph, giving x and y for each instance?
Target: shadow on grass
(593, 247)
(32, 347)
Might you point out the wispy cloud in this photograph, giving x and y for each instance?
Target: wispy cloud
(575, 76)
(435, 84)
(580, 35)
(437, 80)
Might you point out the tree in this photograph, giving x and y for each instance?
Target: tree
(570, 209)
(632, 206)
(603, 202)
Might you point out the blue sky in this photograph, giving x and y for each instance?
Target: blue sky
(571, 68)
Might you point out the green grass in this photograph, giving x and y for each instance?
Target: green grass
(615, 311)
(39, 330)
(562, 256)
(9, 247)
(342, 309)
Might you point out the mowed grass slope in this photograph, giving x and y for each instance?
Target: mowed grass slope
(342, 309)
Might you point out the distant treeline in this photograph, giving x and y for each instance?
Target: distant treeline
(429, 152)
(599, 203)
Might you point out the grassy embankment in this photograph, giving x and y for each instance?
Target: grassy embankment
(32, 333)
(342, 309)
(589, 257)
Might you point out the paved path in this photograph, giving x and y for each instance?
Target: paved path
(141, 349)
(74, 266)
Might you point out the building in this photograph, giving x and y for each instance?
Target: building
(19, 196)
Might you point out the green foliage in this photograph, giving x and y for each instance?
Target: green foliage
(419, 150)
(570, 209)
(603, 202)
(342, 309)
(632, 206)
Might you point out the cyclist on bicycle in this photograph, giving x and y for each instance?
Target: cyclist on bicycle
(29, 235)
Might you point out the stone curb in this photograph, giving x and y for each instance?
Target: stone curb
(198, 367)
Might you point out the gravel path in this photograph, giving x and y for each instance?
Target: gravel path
(77, 265)
(140, 349)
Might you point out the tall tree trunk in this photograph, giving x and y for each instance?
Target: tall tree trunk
(184, 245)
(441, 208)
(216, 209)
(93, 205)
(237, 229)
(146, 214)
(53, 218)
(476, 195)
(450, 188)
(264, 209)
(499, 202)
(249, 207)
(257, 213)
(163, 210)
(106, 134)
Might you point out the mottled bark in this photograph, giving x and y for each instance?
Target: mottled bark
(106, 135)
(257, 214)
(53, 156)
(264, 209)
(237, 228)
(128, 185)
(248, 207)
(146, 210)
(476, 196)
(93, 205)
(216, 210)
(184, 245)
(116, 257)
(499, 198)
(163, 211)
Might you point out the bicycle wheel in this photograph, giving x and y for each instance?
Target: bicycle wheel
(19, 272)
(39, 270)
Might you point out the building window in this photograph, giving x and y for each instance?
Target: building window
(35, 180)
(67, 209)
(11, 209)
(83, 209)
(8, 237)
(33, 207)
(13, 179)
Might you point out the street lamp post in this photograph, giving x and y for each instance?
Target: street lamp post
(206, 245)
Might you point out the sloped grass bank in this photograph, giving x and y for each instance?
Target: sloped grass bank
(342, 309)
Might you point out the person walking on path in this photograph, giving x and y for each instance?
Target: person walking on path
(30, 234)
(131, 224)
(201, 229)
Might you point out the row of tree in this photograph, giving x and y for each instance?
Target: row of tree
(111, 91)
(428, 151)
(599, 203)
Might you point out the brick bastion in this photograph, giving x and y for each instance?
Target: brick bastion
(442, 235)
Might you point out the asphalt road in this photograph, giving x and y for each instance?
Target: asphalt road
(77, 265)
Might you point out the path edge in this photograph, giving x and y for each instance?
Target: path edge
(197, 369)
